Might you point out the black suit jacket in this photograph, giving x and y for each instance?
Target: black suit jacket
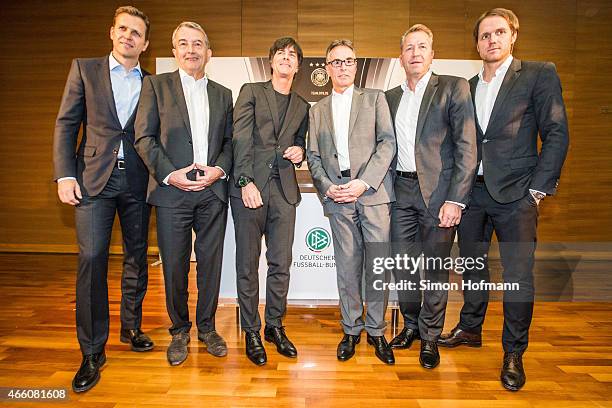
(259, 139)
(529, 102)
(163, 135)
(88, 100)
(445, 144)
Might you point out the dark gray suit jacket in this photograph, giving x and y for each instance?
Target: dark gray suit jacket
(259, 139)
(163, 135)
(445, 145)
(371, 147)
(88, 100)
(529, 102)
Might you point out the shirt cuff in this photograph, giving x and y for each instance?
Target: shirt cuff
(456, 203)
(166, 180)
(532, 191)
(66, 178)
(223, 171)
(365, 184)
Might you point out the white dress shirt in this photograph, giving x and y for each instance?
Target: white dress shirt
(406, 123)
(341, 113)
(196, 99)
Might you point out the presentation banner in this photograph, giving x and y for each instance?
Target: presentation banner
(313, 273)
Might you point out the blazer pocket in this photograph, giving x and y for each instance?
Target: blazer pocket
(522, 162)
(88, 151)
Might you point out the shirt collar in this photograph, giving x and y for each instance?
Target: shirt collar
(421, 84)
(186, 77)
(348, 92)
(113, 63)
(499, 71)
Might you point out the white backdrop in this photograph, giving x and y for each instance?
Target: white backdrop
(313, 274)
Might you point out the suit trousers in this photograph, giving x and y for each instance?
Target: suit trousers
(276, 221)
(515, 225)
(94, 223)
(358, 232)
(415, 231)
(205, 214)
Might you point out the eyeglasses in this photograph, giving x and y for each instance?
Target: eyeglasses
(337, 63)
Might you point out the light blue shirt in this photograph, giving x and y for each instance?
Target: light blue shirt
(126, 91)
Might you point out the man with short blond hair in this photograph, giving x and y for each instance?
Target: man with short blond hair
(184, 136)
(102, 177)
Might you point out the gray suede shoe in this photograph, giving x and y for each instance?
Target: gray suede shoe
(214, 343)
(177, 350)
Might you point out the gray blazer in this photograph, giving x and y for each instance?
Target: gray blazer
(371, 146)
(445, 144)
(259, 139)
(529, 102)
(163, 135)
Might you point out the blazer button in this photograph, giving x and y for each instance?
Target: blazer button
(339, 177)
(278, 147)
(115, 151)
(335, 155)
(190, 142)
(485, 140)
(270, 165)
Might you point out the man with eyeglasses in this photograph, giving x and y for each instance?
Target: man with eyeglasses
(270, 125)
(184, 136)
(514, 102)
(436, 157)
(351, 146)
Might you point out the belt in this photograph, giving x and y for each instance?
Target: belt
(121, 164)
(407, 174)
(346, 173)
(480, 179)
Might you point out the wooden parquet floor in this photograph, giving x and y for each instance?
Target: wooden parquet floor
(568, 364)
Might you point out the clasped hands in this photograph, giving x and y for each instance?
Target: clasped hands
(346, 193)
(178, 178)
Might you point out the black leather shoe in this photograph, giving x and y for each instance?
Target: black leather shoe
(255, 350)
(89, 372)
(405, 338)
(512, 373)
(177, 350)
(277, 336)
(137, 339)
(382, 349)
(429, 357)
(458, 337)
(346, 348)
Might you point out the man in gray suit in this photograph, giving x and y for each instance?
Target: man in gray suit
(102, 177)
(436, 144)
(184, 136)
(270, 124)
(514, 101)
(351, 146)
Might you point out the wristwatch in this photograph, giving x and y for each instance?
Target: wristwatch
(243, 181)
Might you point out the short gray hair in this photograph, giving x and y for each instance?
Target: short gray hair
(195, 26)
(415, 28)
(339, 43)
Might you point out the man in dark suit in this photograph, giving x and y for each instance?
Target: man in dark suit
(350, 148)
(436, 157)
(514, 102)
(102, 177)
(184, 136)
(270, 124)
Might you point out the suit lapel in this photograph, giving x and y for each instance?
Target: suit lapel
(271, 98)
(430, 90)
(355, 106)
(179, 98)
(107, 88)
(328, 115)
(509, 80)
(395, 97)
(213, 114)
(473, 84)
(291, 112)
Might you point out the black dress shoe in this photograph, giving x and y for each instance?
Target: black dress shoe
(346, 347)
(277, 336)
(255, 350)
(429, 357)
(405, 338)
(458, 337)
(137, 339)
(89, 372)
(512, 373)
(382, 349)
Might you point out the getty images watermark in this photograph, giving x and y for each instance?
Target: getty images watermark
(402, 264)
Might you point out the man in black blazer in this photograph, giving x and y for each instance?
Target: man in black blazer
(270, 124)
(514, 102)
(184, 136)
(436, 158)
(101, 177)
